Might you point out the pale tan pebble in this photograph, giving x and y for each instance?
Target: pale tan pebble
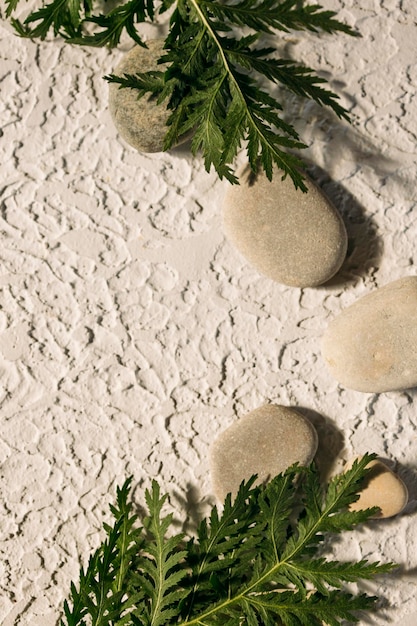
(140, 121)
(382, 488)
(295, 238)
(372, 345)
(265, 442)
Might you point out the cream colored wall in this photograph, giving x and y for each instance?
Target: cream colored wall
(132, 333)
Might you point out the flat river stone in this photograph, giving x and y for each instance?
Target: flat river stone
(140, 121)
(295, 238)
(265, 442)
(384, 489)
(372, 345)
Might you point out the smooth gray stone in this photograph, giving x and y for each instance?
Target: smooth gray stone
(372, 345)
(295, 238)
(140, 121)
(265, 442)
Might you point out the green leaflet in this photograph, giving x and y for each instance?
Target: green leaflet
(11, 6)
(255, 562)
(101, 593)
(214, 85)
(63, 17)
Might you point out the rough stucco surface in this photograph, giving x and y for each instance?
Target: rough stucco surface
(132, 333)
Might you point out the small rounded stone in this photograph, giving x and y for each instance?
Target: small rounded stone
(265, 442)
(384, 489)
(372, 345)
(295, 238)
(140, 121)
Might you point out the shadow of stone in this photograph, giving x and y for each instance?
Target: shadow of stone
(330, 441)
(365, 246)
(411, 394)
(183, 150)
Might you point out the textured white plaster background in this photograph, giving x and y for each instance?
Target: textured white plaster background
(131, 333)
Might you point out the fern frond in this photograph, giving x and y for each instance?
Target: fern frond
(269, 15)
(112, 25)
(101, 594)
(212, 82)
(68, 19)
(64, 17)
(223, 547)
(145, 83)
(11, 6)
(299, 79)
(161, 568)
(278, 501)
(294, 609)
(225, 104)
(254, 562)
(326, 511)
(323, 574)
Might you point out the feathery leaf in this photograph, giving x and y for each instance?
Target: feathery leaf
(214, 80)
(254, 562)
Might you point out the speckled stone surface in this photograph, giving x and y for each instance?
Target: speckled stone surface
(372, 345)
(132, 334)
(140, 121)
(383, 489)
(295, 238)
(264, 442)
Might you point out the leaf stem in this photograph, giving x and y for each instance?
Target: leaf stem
(296, 176)
(332, 506)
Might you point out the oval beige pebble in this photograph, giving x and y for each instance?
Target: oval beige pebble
(384, 489)
(372, 345)
(264, 442)
(140, 121)
(295, 238)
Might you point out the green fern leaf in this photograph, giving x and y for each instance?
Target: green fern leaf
(162, 565)
(11, 6)
(255, 562)
(112, 25)
(223, 547)
(284, 15)
(323, 574)
(213, 80)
